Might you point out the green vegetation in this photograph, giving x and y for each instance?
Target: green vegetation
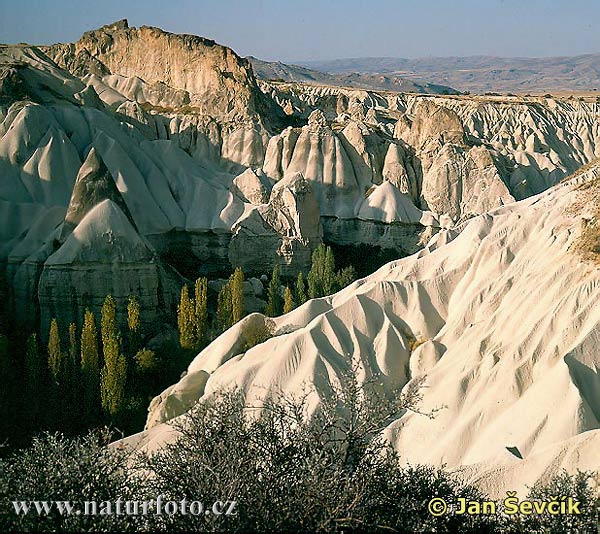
(224, 308)
(186, 320)
(201, 310)
(237, 295)
(55, 354)
(134, 324)
(288, 300)
(300, 294)
(90, 367)
(284, 471)
(86, 376)
(113, 376)
(323, 279)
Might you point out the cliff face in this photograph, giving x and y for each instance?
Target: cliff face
(217, 81)
(454, 155)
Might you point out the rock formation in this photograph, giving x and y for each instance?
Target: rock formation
(93, 185)
(189, 146)
(104, 255)
(284, 231)
(495, 346)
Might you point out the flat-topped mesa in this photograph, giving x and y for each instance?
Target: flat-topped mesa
(219, 82)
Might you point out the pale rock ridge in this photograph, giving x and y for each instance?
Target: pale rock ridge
(215, 78)
(505, 311)
(525, 145)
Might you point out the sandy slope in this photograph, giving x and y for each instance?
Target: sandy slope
(507, 312)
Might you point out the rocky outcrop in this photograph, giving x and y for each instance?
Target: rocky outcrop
(217, 80)
(285, 231)
(104, 255)
(93, 185)
(453, 155)
(252, 188)
(317, 152)
(188, 148)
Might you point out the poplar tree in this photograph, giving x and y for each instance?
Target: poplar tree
(315, 275)
(73, 346)
(288, 300)
(133, 323)
(114, 372)
(328, 272)
(72, 366)
(55, 355)
(237, 295)
(301, 296)
(113, 378)
(185, 320)
(274, 297)
(90, 365)
(345, 277)
(108, 321)
(322, 276)
(224, 307)
(201, 310)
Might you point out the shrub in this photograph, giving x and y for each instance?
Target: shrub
(55, 468)
(580, 486)
(292, 473)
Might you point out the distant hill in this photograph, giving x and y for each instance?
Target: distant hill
(278, 71)
(479, 73)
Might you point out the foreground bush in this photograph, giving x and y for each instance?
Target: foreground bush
(286, 471)
(55, 468)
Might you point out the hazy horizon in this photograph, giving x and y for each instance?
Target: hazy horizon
(327, 30)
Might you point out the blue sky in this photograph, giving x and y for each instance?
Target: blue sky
(306, 29)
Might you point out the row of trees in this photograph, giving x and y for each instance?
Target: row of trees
(90, 375)
(192, 314)
(90, 378)
(95, 374)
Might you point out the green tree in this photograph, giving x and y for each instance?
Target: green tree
(185, 320)
(201, 310)
(300, 297)
(315, 275)
(224, 308)
(108, 321)
(73, 352)
(274, 296)
(237, 295)
(133, 323)
(90, 365)
(288, 300)
(322, 277)
(113, 376)
(55, 355)
(328, 272)
(345, 277)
